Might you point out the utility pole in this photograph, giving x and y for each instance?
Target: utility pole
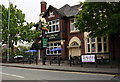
(8, 30)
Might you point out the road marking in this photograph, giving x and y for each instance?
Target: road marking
(91, 73)
(12, 75)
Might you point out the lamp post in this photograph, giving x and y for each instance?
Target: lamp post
(8, 30)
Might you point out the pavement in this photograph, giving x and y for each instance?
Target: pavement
(87, 68)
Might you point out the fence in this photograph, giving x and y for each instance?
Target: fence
(95, 58)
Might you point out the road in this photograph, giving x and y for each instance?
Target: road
(12, 73)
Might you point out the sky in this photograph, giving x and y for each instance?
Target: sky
(31, 8)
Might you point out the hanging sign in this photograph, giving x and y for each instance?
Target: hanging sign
(54, 36)
(44, 42)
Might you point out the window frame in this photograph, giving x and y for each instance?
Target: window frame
(52, 46)
(55, 23)
(72, 26)
(102, 42)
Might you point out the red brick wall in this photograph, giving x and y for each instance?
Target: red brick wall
(65, 33)
(43, 6)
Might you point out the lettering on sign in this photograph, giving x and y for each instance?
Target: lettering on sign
(53, 36)
(44, 42)
(88, 58)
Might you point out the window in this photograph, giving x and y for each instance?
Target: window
(105, 43)
(88, 45)
(93, 45)
(97, 45)
(53, 26)
(72, 26)
(52, 46)
(74, 44)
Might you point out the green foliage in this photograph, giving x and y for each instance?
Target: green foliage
(99, 18)
(27, 34)
(19, 29)
(22, 50)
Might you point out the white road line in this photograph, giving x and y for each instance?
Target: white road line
(12, 75)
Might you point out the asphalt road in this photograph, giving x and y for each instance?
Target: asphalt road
(12, 73)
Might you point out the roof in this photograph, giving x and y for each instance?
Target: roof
(69, 10)
(66, 10)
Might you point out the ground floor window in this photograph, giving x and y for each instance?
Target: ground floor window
(52, 46)
(98, 45)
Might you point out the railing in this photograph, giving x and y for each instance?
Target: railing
(72, 60)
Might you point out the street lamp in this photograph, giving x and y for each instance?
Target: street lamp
(8, 30)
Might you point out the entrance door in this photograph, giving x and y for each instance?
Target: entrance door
(75, 51)
(74, 46)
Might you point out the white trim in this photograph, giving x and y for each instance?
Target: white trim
(73, 29)
(54, 24)
(96, 44)
(53, 46)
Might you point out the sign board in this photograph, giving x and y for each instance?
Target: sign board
(44, 42)
(88, 58)
(54, 36)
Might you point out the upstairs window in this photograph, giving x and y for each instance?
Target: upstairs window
(72, 26)
(54, 26)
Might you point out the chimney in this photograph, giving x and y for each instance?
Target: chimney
(43, 6)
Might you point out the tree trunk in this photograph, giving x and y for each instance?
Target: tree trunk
(12, 51)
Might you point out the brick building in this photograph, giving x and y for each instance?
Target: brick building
(63, 34)
(62, 31)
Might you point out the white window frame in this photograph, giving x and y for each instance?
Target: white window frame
(96, 45)
(52, 47)
(72, 26)
(52, 24)
(88, 43)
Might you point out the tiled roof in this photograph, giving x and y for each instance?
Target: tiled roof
(68, 11)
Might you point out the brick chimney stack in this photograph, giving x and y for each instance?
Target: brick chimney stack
(43, 6)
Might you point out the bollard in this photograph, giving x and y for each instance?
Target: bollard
(23, 60)
(43, 60)
(81, 62)
(96, 60)
(36, 60)
(70, 60)
(58, 61)
(110, 57)
(50, 61)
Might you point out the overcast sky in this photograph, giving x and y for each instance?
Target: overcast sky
(31, 8)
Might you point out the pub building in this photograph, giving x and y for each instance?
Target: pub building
(63, 34)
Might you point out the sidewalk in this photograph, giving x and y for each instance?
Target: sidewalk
(106, 69)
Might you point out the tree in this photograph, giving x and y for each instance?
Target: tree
(19, 29)
(99, 18)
